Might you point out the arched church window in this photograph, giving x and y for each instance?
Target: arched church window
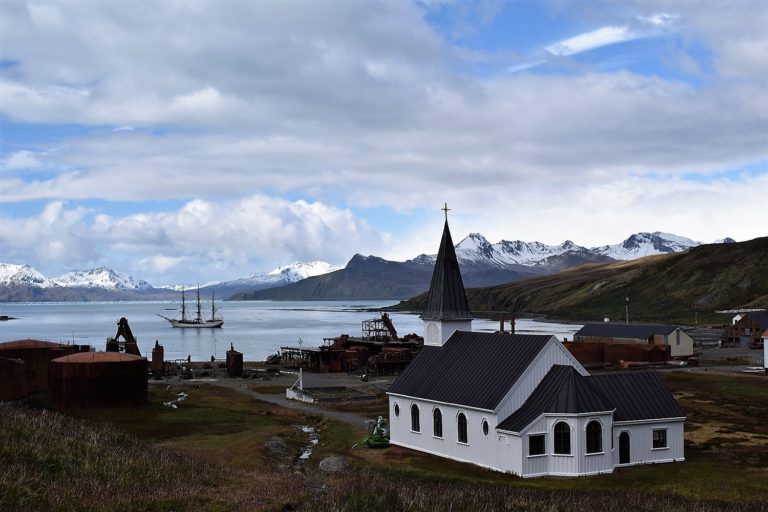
(415, 418)
(594, 437)
(462, 427)
(562, 438)
(437, 422)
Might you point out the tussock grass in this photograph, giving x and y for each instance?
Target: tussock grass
(386, 490)
(49, 461)
(209, 455)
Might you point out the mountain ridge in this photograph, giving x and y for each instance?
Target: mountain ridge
(680, 287)
(482, 264)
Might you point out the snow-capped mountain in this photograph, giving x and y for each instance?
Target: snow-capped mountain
(287, 273)
(22, 275)
(646, 244)
(475, 248)
(186, 287)
(102, 277)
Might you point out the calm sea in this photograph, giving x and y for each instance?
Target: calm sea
(256, 328)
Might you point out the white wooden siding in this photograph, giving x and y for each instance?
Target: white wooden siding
(641, 442)
(436, 333)
(553, 353)
(479, 449)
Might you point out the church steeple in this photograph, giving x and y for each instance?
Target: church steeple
(447, 307)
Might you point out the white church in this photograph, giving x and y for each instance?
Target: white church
(522, 404)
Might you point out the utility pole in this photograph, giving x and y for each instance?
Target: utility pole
(626, 307)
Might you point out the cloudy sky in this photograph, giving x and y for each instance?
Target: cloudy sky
(206, 140)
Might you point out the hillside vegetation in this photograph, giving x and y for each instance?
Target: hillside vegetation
(665, 288)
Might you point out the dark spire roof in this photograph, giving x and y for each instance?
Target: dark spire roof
(447, 299)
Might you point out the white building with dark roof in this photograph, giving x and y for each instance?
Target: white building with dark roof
(522, 403)
(679, 342)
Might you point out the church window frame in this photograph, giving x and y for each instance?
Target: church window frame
(397, 410)
(462, 429)
(659, 439)
(593, 432)
(415, 420)
(485, 427)
(561, 437)
(437, 423)
(537, 445)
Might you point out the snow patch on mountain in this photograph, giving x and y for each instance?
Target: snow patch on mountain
(286, 274)
(646, 244)
(23, 275)
(475, 248)
(102, 277)
(298, 271)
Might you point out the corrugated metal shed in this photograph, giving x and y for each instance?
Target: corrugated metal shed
(563, 390)
(447, 299)
(473, 369)
(637, 396)
(639, 331)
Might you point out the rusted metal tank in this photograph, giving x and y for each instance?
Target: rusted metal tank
(587, 353)
(13, 379)
(633, 352)
(36, 355)
(234, 362)
(158, 359)
(99, 379)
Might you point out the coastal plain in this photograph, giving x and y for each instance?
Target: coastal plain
(236, 444)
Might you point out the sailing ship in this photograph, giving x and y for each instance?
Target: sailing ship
(198, 321)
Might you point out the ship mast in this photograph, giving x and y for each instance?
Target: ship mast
(183, 306)
(199, 317)
(213, 304)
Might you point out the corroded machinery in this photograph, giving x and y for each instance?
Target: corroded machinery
(128, 345)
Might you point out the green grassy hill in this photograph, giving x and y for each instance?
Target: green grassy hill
(665, 288)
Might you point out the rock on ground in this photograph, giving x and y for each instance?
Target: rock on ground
(335, 464)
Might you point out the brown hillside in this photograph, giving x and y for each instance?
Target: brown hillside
(672, 287)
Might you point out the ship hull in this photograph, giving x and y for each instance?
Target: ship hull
(191, 324)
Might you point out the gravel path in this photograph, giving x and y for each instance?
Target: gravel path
(241, 387)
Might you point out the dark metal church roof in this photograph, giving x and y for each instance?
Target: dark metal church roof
(640, 331)
(637, 396)
(562, 390)
(474, 369)
(447, 299)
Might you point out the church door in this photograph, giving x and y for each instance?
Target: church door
(624, 448)
(503, 456)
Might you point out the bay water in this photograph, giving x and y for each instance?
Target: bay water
(255, 328)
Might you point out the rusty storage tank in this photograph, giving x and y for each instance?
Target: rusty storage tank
(13, 379)
(36, 355)
(99, 379)
(234, 362)
(158, 360)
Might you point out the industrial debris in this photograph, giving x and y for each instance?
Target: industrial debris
(378, 351)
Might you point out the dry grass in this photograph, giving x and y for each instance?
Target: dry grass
(210, 455)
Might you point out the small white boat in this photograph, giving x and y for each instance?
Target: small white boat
(197, 322)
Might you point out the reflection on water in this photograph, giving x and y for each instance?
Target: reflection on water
(255, 328)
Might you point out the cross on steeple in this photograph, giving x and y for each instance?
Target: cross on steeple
(446, 210)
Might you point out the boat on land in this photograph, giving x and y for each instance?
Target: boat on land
(197, 321)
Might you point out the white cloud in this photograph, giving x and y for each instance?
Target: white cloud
(359, 104)
(20, 160)
(590, 40)
(203, 238)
